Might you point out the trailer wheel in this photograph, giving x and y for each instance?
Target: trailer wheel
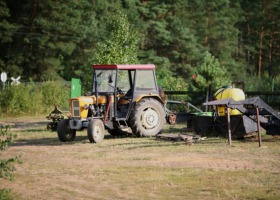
(65, 134)
(96, 131)
(147, 118)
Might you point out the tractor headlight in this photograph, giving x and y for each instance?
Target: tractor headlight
(86, 106)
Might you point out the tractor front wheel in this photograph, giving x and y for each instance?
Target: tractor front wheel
(147, 118)
(96, 131)
(65, 134)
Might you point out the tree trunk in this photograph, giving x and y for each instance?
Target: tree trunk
(270, 53)
(248, 56)
(260, 52)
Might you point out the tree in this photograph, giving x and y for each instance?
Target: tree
(7, 30)
(220, 33)
(211, 72)
(56, 39)
(156, 36)
(118, 44)
(260, 37)
(48, 35)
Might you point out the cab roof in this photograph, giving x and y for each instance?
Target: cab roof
(138, 66)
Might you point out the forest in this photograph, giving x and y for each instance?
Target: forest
(59, 39)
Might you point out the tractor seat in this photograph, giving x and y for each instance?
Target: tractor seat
(128, 95)
(124, 100)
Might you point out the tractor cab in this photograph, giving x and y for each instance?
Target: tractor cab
(124, 85)
(124, 79)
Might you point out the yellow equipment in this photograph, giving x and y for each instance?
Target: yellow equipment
(229, 92)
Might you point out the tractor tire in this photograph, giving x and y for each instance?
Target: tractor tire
(64, 133)
(96, 131)
(147, 118)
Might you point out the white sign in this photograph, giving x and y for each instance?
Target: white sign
(15, 80)
(3, 77)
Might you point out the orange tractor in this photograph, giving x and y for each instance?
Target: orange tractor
(124, 98)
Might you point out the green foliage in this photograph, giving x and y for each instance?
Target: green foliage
(119, 44)
(33, 98)
(46, 40)
(170, 83)
(6, 166)
(6, 138)
(55, 93)
(266, 84)
(5, 194)
(49, 37)
(20, 99)
(211, 72)
(260, 33)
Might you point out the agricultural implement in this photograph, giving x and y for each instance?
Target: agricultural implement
(55, 116)
(253, 111)
(232, 112)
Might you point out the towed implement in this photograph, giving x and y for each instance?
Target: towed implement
(123, 99)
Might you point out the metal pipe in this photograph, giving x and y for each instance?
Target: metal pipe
(259, 127)
(229, 130)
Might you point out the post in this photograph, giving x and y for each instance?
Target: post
(229, 129)
(259, 127)
(207, 98)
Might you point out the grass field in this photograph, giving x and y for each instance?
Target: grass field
(139, 168)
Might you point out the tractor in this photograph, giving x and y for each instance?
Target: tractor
(124, 99)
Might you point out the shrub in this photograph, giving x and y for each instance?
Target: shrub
(33, 98)
(6, 166)
(55, 93)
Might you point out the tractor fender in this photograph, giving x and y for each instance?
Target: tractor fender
(155, 96)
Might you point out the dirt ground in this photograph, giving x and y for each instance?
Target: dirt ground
(138, 168)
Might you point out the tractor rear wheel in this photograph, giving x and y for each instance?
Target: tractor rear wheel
(65, 134)
(96, 131)
(147, 118)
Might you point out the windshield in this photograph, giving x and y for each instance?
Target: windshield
(145, 80)
(124, 77)
(104, 80)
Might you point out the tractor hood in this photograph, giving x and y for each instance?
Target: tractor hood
(79, 105)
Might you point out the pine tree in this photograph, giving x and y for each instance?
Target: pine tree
(210, 73)
(260, 38)
(49, 33)
(7, 30)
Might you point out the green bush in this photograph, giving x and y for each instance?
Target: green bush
(55, 93)
(6, 165)
(5, 194)
(268, 84)
(170, 83)
(33, 98)
(265, 84)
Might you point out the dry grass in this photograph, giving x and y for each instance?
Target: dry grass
(140, 168)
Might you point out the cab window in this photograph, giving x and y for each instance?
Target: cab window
(145, 80)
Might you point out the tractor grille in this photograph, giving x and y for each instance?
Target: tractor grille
(76, 108)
